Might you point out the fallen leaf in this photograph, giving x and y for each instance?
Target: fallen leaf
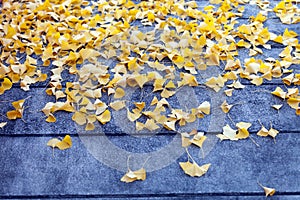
(2, 124)
(193, 169)
(268, 191)
(66, 143)
(18, 112)
(132, 176)
(277, 107)
(63, 144)
(225, 107)
(52, 143)
(117, 105)
(5, 85)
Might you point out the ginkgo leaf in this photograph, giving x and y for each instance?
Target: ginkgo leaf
(104, 117)
(170, 125)
(277, 107)
(167, 93)
(263, 132)
(243, 132)
(117, 105)
(228, 92)
(65, 143)
(273, 132)
(5, 85)
(151, 125)
(268, 191)
(18, 112)
(205, 107)
(228, 133)
(199, 139)
(2, 124)
(193, 169)
(79, 118)
(133, 116)
(132, 176)
(279, 92)
(185, 140)
(237, 85)
(52, 143)
(119, 93)
(225, 107)
(154, 101)
(140, 106)
(88, 53)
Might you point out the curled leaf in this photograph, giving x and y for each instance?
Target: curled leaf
(132, 176)
(193, 169)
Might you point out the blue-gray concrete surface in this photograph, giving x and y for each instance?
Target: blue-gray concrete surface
(29, 169)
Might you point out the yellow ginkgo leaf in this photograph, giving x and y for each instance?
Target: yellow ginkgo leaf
(13, 114)
(6, 85)
(151, 125)
(18, 112)
(140, 106)
(167, 93)
(65, 143)
(225, 107)
(185, 140)
(273, 132)
(279, 92)
(131, 176)
(47, 53)
(205, 107)
(88, 53)
(50, 118)
(268, 191)
(158, 84)
(198, 139)
(193, 169)
(243, 132)
(119, 93)
(141, 79)
(228, 92)
(237, 85)
(170, 85)
(263, 132)
(117, 105)
(170, 125)
(52, 143)
(133, 116)
(79, 118)
(154, 101)
(104, 117)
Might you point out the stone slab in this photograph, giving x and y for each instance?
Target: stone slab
(28, 168)
(250, 105)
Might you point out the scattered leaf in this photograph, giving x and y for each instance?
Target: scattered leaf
(193, 169)
(268, 191)
(132, 176)
(63, 144)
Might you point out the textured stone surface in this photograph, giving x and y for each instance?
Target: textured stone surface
(28, 168)
(250, 105)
